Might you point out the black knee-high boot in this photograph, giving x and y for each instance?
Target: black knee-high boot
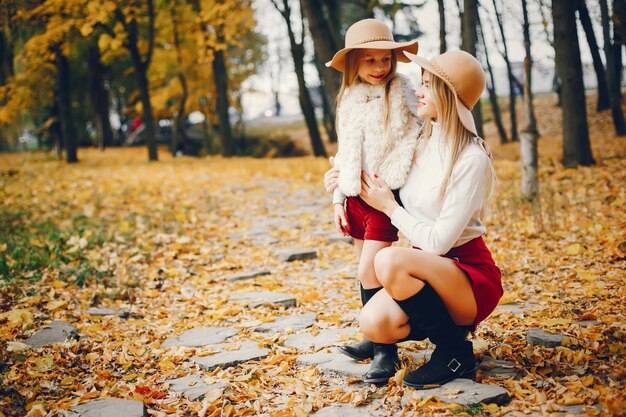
(453, 356)
(365, 349)
(384, 364)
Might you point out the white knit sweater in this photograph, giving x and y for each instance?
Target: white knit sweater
(437, 225)
(360, 135)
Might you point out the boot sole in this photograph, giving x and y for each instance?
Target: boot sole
(471, 374)
(379, 380)
(355, 357)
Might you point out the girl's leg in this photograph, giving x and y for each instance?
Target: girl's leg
(384, 355)
(366, 272)
(366, 251)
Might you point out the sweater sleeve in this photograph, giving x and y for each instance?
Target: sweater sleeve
(466, 192)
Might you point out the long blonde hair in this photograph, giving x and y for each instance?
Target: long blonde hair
(350, 77)
(451, 127)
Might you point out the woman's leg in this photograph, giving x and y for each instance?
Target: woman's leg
(403, 271)
(382, 320)
(437, 299)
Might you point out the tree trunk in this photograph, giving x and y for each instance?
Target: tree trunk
(333, 14)
(619, 20)
(576, 146)
(297, 52)
(54, 129)
(99, 98)
(141, 66)
(70, 142)
(598, 66)
(468, 23)
(509, 70)
(181, 115)
(220, 78)
(327, 108)
(305, 101)
(442, 27)
(529, 136)
(612, 72)
(325, 48)
(6, 58)
(491, 86)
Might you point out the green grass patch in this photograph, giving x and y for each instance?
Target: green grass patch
(28, 248)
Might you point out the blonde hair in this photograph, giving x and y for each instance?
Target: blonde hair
(351, 77)
(451, 127)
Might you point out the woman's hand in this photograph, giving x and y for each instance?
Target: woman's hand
(377, 194)
(331, 177)
(341, 220)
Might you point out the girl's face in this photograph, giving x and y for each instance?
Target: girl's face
(374, 65)
(425, 106)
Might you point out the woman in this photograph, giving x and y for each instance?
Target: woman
(448, 283)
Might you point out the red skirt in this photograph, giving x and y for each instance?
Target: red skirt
(475, 260)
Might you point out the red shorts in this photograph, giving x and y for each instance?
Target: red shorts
(366, 223)
(475, 260)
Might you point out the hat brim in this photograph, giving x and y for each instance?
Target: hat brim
(338, 61)
(465, 114)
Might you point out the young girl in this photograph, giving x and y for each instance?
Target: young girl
(450, 284)
(377, 132)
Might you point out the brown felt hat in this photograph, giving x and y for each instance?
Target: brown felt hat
(370, 34)
(465, 77)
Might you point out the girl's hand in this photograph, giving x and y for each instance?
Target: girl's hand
(341, 220)
(377, 194)
(331, 177)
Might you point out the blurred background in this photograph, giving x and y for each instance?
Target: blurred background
(200, 77)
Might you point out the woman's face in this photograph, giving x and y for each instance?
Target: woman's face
(425, 106)
(374, 65)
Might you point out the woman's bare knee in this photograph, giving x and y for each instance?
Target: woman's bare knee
(385, 266)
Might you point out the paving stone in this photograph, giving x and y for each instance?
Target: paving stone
(339, 238)
(325, 337)
(108, 311)
(193, 386)
(256, 299)
(290, 255)
(342, 410)
(263, 240)
(498, 367)
(110, 407)
(463, 391)
(539, 337)
(250, 232)
(53, 332)
(201, 337)
(513, 308)
(337, 363)
(333, 236)
(248, 275)
(297, 322)
(225, 359)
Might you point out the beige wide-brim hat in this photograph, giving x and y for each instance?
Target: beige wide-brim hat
(465, 77)
(370, 34)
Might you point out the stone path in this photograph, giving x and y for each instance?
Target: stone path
(314, 341)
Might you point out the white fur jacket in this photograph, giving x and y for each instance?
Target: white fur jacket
(360, 130)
